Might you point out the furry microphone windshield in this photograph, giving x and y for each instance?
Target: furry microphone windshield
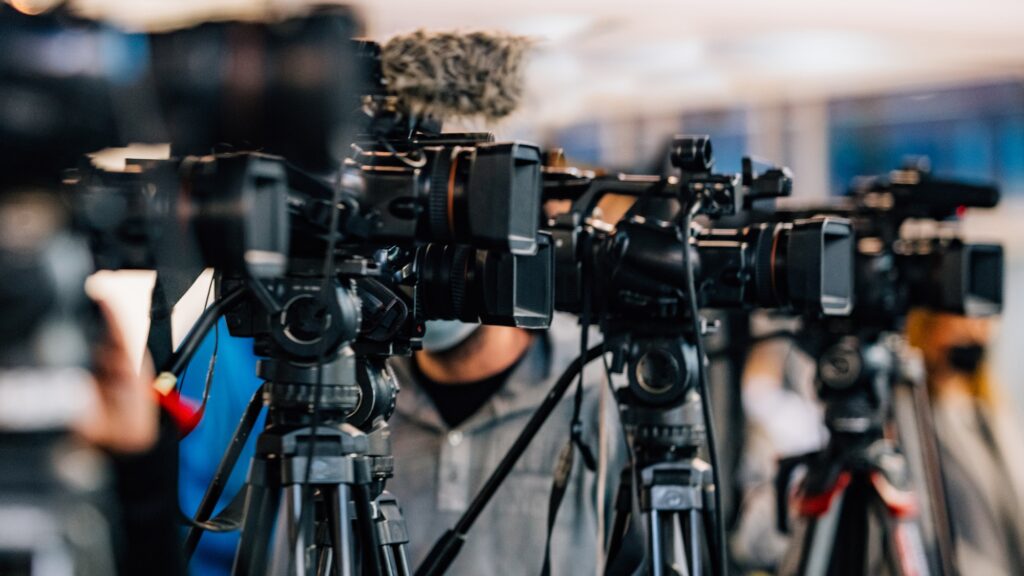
(447, 75)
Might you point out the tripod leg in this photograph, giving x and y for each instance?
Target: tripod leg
(367, 529)
(295, 554)
(324, 552)
(696, 545)
(260, 510)
(655, 544)
(220, 477)
(289, 550)
(392, 535)
(341, 528)
(623, 515)
(710, 530)
(667, 550)
(913, 414)
(323, 565)
(903, 542)
(811, 546)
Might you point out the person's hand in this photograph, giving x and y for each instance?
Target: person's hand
(126, 416)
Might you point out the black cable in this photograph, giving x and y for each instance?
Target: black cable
(180, 384)
(181, 357)
(611, 388)
(325, 293)
(208, 380)
(705, 391)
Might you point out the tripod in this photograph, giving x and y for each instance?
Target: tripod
(662, 415)
(328, 514)
(859, 503)
(345, 479)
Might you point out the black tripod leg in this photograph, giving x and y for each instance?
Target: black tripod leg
(812, 541)
(337, 497)
(220, 477)
(324, 551)
(367, 530)
(257, 524)
(850, 546)
(398, 564)
(655, 544)
(696, 530)
(670, 553)
(392, 535)
(623, 515)
(292, 544)
(710, 529)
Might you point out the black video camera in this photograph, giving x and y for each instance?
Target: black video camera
(638, 265)
(428, 225)
(898, 267)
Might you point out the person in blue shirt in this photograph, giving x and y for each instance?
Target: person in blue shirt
(233, 383)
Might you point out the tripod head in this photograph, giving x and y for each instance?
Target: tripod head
(661, 409)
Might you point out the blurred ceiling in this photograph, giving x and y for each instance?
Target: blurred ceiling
(601, 59)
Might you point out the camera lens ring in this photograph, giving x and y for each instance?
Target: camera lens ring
(765, 245)
(437, 208)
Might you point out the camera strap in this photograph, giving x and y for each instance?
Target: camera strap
(566, 458)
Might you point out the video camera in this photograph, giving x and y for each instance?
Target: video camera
(643, 279)
(330, 264)
(898, 267)
(638, 264)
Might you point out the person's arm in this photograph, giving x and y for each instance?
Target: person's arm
(141, 442)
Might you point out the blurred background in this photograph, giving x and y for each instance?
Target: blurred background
(832, 92)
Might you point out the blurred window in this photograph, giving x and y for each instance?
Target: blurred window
(971, 132)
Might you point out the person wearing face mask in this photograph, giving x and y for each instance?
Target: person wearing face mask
(979, 444)
(464, 399)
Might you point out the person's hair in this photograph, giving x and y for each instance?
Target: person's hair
(920, 323)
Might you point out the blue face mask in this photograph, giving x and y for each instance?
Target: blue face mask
(444, 335)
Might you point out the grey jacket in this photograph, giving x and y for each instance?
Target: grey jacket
(438, 470)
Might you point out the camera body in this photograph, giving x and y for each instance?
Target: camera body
(897, 269)
(638, 266)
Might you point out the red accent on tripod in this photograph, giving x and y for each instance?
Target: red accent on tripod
(814, 505)
(901, 503)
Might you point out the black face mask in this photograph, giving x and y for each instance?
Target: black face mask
(966, 358)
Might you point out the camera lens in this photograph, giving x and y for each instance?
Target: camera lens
(459, 282)
(459, 190)
(446, 272)
(805, 265)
